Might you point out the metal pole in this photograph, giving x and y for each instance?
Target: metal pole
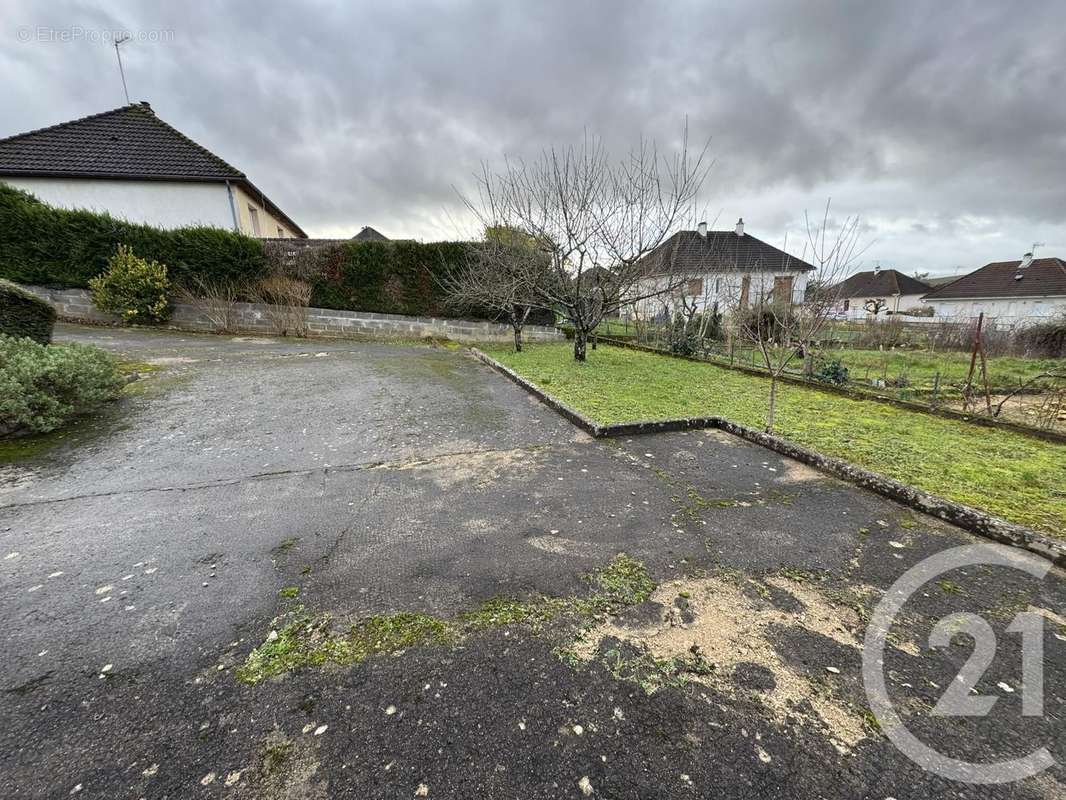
(121, 71)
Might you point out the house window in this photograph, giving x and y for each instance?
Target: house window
(695, 287)
(253, 215)
(847, 303)
(281, 232)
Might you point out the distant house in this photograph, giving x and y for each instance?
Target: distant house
(936, 281)
(129, 163)
(1030, 289)
(723, 269)
(878, 291)
(368, 234)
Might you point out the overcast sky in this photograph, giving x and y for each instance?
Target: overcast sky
(942, 124)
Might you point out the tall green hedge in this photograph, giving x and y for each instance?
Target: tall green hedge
(25, 314)
(398, 277)
(388, 278)
(49, 246)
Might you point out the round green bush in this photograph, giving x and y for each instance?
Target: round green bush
(43, 386)
(133, 288)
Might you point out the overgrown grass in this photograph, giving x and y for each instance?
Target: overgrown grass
(309, 640)
(1013, 476)
(921, 367)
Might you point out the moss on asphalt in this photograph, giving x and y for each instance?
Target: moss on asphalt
(310, 640)
(1007, 474)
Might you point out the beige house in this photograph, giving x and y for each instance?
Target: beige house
(129, 163)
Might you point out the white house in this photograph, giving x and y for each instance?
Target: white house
(1007, 292)
(722, 269)
(878, 291)
(129, 163)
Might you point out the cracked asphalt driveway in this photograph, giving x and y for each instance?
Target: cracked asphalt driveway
(145, 553)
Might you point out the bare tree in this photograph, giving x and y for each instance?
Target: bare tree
(597, 223)
(875, 305)
(499, 274)
(782, 329)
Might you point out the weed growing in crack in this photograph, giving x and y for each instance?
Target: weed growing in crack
(308, 641)
(652, 673)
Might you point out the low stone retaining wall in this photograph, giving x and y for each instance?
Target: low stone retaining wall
(76, 305)
(971, 519)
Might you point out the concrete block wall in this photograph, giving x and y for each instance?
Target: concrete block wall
(76, 305)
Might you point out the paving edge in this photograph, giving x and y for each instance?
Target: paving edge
(962, 516)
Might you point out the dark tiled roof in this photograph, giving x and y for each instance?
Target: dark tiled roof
(368, 234)
(885, 283)
(130, 143)
(687, 251)
(936, 281)
(1045, 276)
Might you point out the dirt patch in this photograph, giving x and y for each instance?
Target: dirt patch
(719, 436)
(163, 361)
(469, 469)
(795, 472)
(1049, 615)
(288, 771)
(728, 623)
(561, 546)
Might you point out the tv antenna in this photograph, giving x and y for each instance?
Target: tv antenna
(118, 54)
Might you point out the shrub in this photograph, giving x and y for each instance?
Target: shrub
(133, 288)
(215, 299)
(286, 300)
(832, 372)
(42, 386)
(25, 314)
(57, 247)
(1044, 339)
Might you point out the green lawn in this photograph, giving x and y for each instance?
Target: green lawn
(1013, 476)
(921, 366)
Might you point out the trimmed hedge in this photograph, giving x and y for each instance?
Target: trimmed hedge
(388, 278)
(398, 277)
(48, 246)
(25, 314)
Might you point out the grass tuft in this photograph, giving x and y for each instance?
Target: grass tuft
(309, 641)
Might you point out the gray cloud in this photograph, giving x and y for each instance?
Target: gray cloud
(942, 125)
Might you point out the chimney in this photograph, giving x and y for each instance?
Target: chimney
(877, 268)
(1027, 259)
(740, 226)
(702, 229)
